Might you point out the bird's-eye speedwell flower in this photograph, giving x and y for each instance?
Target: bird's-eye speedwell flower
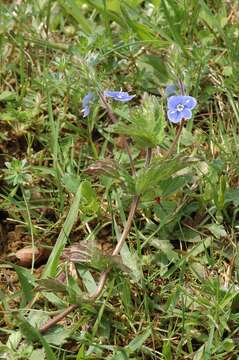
(170, 89)
(179, 107)
(85, 103)
(174, 89)
(119, 95)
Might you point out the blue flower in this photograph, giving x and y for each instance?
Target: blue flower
(179, 107)
(119, 95)
(86, 100)
(170, 89)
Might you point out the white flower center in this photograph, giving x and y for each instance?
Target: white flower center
(180, 107)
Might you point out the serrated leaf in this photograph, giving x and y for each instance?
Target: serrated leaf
(14, 340)
(90, 203)
(150, 178)
(88, 280)
(217, 230)
(158, 65)
(57, 335)
(142, 30)
(138, 341)
(72, 8)
(71, 182)
(7, 95)
(145, 123)
(74, 290)
(171, 185)
(232, 195)
(32, 334)
(111, 13)
(131, 261)
(37, 318)
(54, 299)
(27, 281)
(199, 248)
(38, 354)
(51, 284)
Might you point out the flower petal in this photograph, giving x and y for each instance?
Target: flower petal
(111, 93)
(119, 95)
(170, 90)
(186, 113)
(125, 98)
(189, 102)
(174, 116)
(86, 111)
(86, 99)
(173, 101)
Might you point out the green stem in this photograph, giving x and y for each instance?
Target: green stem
(30, 226)
(175, 141)
(104, 274)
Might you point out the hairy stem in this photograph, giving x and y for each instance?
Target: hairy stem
(175, 141)
(116, 251)
(114, 120)
(31, 227)
(57, 318)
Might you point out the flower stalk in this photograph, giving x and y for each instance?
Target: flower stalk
(120, 244)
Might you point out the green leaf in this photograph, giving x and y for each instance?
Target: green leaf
(54, 299)
(133, 346)
(89, 203)
(145, 124)
(38, 354)
(81, 353)
(88, 280)
(142, 30)
(158, 65)
(232, 195)
(228, 345)
(171, 185)
(51, 266)
(52, 284)
(37, 318)
(130, 260)
(111, 11)
(159, 170)
(7, 95)
(27, 281)
(217, 230)
(199, 248)
(14, 340)
(71, 182)
(32, 334)
(138, 341)
(57, 335)
(171, 23)
(209, 18)
(74, 290)
(73, 9)
(166, 248)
